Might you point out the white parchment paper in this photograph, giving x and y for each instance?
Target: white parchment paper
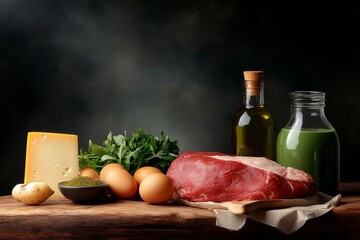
(287, 220)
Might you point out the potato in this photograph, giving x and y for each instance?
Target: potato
(32, 193)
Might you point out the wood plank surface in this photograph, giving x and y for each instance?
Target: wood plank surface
(57, 219)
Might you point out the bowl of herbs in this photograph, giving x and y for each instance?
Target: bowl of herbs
(83, 189)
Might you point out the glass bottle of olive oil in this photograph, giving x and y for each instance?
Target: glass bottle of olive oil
(253, 125)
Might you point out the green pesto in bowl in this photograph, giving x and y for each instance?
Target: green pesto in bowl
(83, 190)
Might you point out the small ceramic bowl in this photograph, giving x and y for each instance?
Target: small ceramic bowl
(84, 194)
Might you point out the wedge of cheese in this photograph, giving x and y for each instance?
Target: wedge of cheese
(51, 158)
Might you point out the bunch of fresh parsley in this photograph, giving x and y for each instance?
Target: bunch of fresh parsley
(133, 152)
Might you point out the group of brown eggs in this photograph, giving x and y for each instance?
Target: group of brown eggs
(151, 183)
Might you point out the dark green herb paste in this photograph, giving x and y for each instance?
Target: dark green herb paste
(82, 181)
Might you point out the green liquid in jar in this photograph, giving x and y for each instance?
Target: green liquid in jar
(313, 151)
(253, 133)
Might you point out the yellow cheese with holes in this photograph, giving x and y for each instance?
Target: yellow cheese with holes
(51, 158)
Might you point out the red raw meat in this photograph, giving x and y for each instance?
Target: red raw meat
(217, 177)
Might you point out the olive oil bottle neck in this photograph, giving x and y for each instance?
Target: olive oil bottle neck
(254, 93)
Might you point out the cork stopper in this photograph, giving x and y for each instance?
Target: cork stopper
(253, 75)
(253, 81)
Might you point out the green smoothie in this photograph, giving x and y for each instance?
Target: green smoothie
(315, 151)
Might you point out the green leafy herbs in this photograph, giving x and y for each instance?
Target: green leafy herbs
(133, 152)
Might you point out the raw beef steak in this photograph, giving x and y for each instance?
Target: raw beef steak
(217, 177)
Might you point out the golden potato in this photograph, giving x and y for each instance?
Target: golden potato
(32, 193)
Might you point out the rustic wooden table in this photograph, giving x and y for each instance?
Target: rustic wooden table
(57, 219)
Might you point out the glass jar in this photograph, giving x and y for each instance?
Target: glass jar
(309, 142)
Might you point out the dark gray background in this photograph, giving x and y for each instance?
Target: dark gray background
(90, 67)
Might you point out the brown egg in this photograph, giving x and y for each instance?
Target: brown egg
(156, 188)
(108, 167)
(89, 172)
(142, 172)
(122, 184)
